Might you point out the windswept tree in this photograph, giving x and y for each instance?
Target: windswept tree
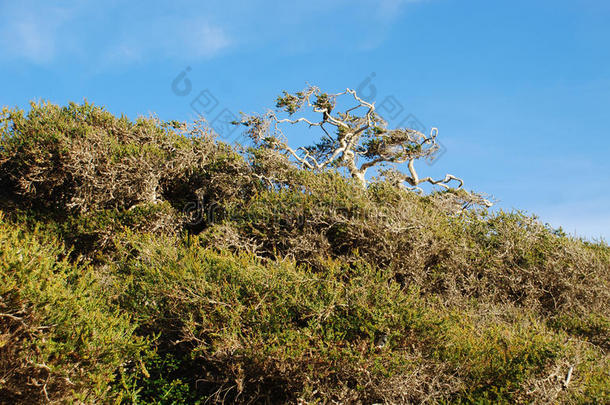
(354, 137)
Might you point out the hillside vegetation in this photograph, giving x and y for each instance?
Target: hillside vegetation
(146, 262)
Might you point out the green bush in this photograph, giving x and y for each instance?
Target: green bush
(60, 337)
(80, 157)
(233, 328)
(502, 257)
(145, 262)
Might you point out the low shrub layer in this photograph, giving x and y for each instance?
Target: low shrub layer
(237, 329)
(145, 262)
(60, 336)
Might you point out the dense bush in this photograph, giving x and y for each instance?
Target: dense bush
(194, 271)
(60, 336)
(502, 257)
(239, 329)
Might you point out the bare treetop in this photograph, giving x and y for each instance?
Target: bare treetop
(354, 137)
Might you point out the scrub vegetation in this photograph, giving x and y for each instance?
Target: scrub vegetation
(147, 262)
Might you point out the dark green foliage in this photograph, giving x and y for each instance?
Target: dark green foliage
(199, 273)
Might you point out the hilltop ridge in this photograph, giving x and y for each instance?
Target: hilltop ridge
(148, 262)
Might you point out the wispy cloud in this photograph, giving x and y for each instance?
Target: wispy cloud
(202, 39)
(32, 42)
(42, 34)
(165, 37)
(382, 14)
(32, 33)
(390, 9)
(116, 33)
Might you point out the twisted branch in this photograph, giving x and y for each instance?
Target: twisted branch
(362, 140)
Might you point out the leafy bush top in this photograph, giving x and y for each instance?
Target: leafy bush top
(81, 157)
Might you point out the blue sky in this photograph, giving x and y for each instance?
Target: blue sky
(520, 90)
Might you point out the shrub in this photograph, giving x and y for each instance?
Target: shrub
(60, 338)
(501, 257)
(81, 158)
(233, 328)
(195, 271)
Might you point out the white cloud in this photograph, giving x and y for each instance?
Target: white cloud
(120, 54)
(390, 9)
(32, 32)
(113, 34)
(31, 42)
(203, 39)
(183, 39)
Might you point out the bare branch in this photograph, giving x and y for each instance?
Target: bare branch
(362, 139)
